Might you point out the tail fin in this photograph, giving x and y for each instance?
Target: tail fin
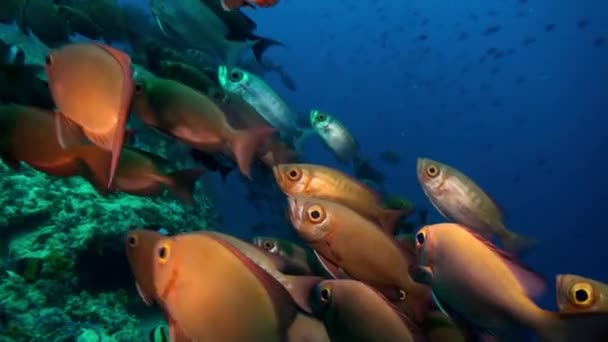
(245, 143)
(261, 45)
(183, 183)
(517, 244)
(388, 219)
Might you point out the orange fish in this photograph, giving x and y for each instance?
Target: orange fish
(192, 117)
(213, 292)
(138, 173)
(354, 311)
(28, 134)
(308, 180)
(229, 5)
(347, 242)
(92, 85)
(489, 291)
(139, 244)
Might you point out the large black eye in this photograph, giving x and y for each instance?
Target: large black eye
(132, 240)
(420, 238)
(163, 253)
(315, 213)
(268, 245)
(432, 171)
(321, 117)
(48, 60)
(325, 295)
(294, 174)
(139, 88)
(581, 295)
(236, 76)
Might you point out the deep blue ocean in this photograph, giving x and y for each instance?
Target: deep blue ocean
(529, 127)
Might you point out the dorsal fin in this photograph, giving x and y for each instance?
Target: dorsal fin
(531, 281)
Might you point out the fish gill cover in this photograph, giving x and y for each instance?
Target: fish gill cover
(349, 142)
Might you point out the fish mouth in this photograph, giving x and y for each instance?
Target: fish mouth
(294, 216)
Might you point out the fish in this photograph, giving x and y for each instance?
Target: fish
(230, 5)
(139, 246)
(354, 311)
(266, 102)
(391, 157)
(310, 180)
(350, 246)
(241, 115)
(27, 134)
(96, 111)
(278, 267)
(188, 75)
(301, 258)
(459, 198)
(212, 292)
(335, 135)
(138, 173)
(488, 291)
(580, 294)
(193, 118)
(41, 18)
(79, 22)
(202, 25)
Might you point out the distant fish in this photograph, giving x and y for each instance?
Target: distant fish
(459, 198)
(390, 156)
(528, 41)
(423, 37)
(335, 136)
(599, 41)
(549, 27)
(491, 30)
(582, 24)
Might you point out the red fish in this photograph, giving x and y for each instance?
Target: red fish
(92, 85)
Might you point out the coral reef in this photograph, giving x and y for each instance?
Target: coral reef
(85, 290)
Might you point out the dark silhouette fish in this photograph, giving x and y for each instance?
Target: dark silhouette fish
(488, 31)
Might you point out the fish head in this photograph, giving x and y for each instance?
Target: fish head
(141, 100)
(165, 266)
(310, 218)
(293, 179)
(319, 119)
(576, 293)
(233, 80)
(426, 251)
(139, 245)
(431, 175)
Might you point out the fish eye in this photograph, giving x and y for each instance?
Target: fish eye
(236, 76)
(48, 60)
(139, 88)
(420, 238)
(163, 252)
(581, 294)
(432, 171)
(315, 213)
(325, 295)
(321, 117)
(294, 174)
(268, 245)
(402, 295)
(132, 240)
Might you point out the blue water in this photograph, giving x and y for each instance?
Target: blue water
(542, 155)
